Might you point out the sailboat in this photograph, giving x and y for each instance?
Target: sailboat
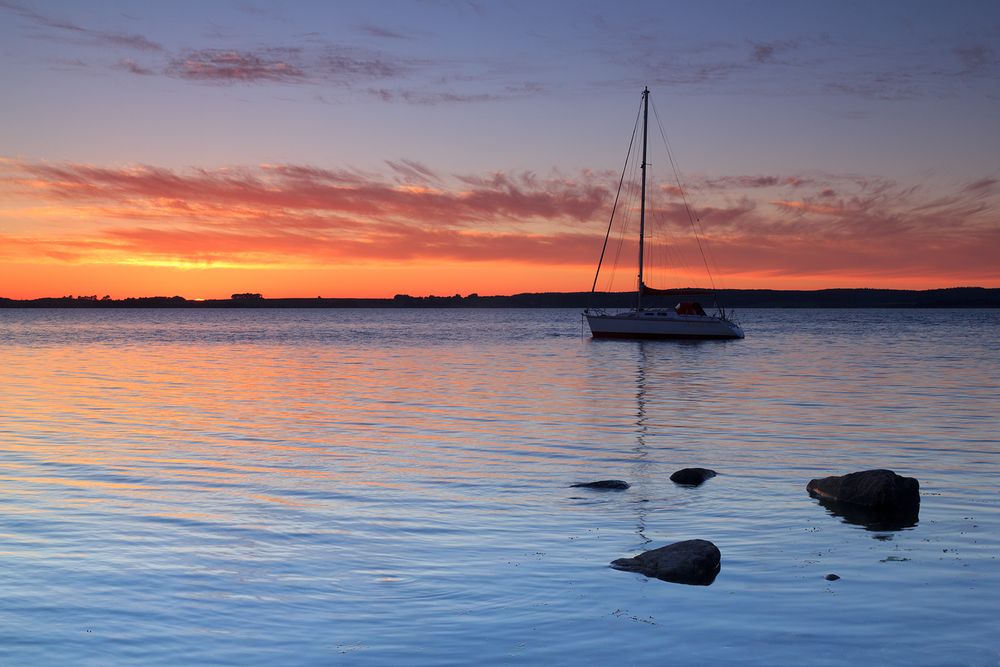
(686, 320)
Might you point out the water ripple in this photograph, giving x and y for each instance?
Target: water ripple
(303, 487)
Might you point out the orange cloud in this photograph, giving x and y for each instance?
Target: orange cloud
(809, 207)
(775, 231)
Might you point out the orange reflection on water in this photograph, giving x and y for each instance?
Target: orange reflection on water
(161, 421)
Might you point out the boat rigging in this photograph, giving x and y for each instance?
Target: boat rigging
(686, 320)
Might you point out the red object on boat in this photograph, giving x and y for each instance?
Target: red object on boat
(689, 308)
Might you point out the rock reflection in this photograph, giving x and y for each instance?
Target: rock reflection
(870, 519)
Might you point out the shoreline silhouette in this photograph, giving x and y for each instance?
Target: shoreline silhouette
(952, 297)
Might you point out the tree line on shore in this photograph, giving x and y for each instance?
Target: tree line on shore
(953, 297)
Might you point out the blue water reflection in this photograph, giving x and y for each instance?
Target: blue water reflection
(393, 487)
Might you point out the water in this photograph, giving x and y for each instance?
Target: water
(392, 487)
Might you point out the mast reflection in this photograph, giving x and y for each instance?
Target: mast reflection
(641, 451)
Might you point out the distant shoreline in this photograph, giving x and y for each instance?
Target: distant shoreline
(953, 297)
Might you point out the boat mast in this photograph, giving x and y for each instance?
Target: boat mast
(642, 208)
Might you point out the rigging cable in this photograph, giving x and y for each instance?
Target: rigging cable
(626, 209)
(615, 206)
(691, 217)
(657, 233)
(626, 218)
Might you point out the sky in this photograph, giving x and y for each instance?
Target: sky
(435, 147)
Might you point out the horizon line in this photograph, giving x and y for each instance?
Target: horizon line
(256, 296)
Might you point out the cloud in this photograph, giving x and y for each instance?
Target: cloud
(755, 181)
(312, 213)
(133, 67)
(64, 28)
(780, 225)
(313, 60)
(762, 52)
(379, 31)
(391, 244)
(229, 66)
(809, 207)
(135, 42)
(346, 65)
(671, 72)
(976, 58)
(430, 97)
(983, 186)
(413, 171)
(887, 68)
(850, 225)
(284, 65)
(765, 52)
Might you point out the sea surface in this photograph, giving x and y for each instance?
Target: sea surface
(392, 487)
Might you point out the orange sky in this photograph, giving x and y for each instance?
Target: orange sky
(296, 230)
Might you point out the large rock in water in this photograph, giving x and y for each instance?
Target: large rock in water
(694, 562)
(876, 499)
(692, 476)
(877, 490)
(605, 484)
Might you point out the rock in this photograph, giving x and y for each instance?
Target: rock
(607, 484)
(694, 562)
(875, 499)
(831, 577)
(692, 476)
(876, 489)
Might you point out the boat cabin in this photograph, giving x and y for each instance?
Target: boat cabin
(689, 308)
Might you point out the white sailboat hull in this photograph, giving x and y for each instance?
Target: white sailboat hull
(661, 324)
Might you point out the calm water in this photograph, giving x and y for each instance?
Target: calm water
(391, 487)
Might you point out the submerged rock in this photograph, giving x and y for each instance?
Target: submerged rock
(694, 562)
(608, 484)
(875, 499)
(692, 476)
(831, 577)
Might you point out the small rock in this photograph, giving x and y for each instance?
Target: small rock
(881, 490)
(831, 577)
(609, 484)
(694, 562)
(692, 476)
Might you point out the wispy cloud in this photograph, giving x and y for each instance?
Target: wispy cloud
(781, 225)
(132, 67)
(65, 29)
(808, 63)
(312, 214)
(412, 171)
(424, 97)
(228, 66)
(285, 65)
(770, 52)
(976, 58)
(751, 181)
(982, 186)
(315, 60)
(380, 31)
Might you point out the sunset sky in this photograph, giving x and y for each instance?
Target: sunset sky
(374, 148)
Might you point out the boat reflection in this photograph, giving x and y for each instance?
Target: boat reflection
(643, 463)
(641, 429)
